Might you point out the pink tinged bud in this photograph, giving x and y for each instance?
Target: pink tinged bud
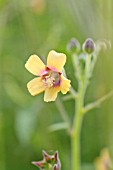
(46, 156)
(38, 164)
(56, 167)
(52, 161)
(56, 156)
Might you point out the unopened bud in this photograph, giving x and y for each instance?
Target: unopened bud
(73, 46)
(38, 164)
(103, 45)
(56, 167)
(89, 46)
(56, 156)
(49, 162)
(46, 156)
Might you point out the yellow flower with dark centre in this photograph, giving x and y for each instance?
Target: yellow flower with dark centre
(51, 79)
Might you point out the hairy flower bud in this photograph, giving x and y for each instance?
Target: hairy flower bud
(73, 46)
(49, 162)
(89, 46)
(56, 167)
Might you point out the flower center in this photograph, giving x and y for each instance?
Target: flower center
(51, 79)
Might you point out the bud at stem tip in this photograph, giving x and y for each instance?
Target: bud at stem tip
(89, 46)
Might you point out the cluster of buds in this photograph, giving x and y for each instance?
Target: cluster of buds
(49, 162)
(88, 46)
(84, 57)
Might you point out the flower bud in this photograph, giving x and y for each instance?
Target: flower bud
(89, 46)
(46, 156)
(56, 167)
(103, 45)
(73, 46)
(49, 162)
(56, 156)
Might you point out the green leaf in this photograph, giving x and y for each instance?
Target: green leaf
(58, 126)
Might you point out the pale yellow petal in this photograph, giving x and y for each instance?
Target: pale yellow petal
(56, 60)
(35, 86)
(51, 94)
(35, 65)
(65, 85)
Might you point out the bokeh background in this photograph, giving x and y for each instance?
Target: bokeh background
(37, 26)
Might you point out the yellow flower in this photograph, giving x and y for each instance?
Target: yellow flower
(50, 77)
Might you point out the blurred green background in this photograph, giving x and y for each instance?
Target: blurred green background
(37, 26)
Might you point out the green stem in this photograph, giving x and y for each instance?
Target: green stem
(87, 72)
(96, 103)
(76, 129)
(62, 111)
(77, 123)
(75, 146)
(68, 97)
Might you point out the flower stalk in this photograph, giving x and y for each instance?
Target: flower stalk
(77, 125)
(83, 81)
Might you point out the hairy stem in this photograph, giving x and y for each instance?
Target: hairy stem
(97, 102)
(77, 122)
(76, 129)
(62, 111)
